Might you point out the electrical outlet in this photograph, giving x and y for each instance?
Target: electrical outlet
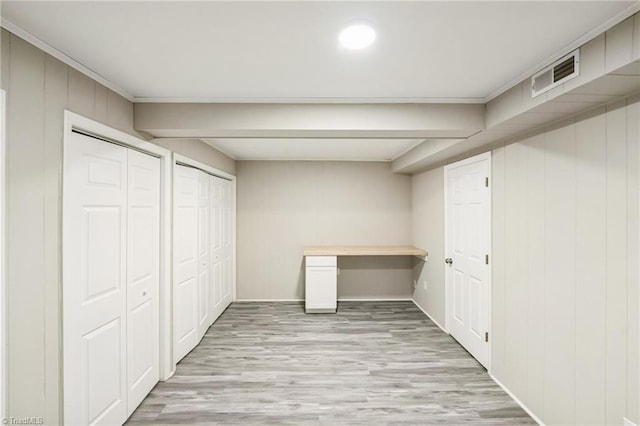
(425, 285)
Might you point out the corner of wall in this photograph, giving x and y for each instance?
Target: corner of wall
(196, 149)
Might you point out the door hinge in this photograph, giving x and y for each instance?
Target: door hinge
(486, 336)
(486, 259)
(486, 181)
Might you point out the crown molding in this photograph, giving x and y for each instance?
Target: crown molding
(579, 42)
(47, 48)
(309, 100)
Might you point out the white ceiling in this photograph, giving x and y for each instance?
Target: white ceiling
(288, 51)
(314, 149)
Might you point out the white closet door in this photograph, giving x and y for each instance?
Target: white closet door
(185, 226)
(143, 276)
(94, 282)
(227, 242)
(217, 305)
(204, 253)
(222, 244)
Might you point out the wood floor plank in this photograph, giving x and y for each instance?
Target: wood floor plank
(371, 363)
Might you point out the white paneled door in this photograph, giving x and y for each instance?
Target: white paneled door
(143, 270)
(185, 239)
(110, 280)
(226, 252)
(467, 240)
(217, 305)
(203, 254)
(221, 244)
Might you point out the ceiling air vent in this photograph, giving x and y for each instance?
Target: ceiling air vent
(555, 74)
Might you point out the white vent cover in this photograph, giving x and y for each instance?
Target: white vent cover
(555, 74)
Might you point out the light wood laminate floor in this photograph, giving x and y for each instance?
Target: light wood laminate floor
(371, 363)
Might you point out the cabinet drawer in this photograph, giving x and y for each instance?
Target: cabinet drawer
(321, 261)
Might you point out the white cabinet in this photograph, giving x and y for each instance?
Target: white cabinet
(321, 284)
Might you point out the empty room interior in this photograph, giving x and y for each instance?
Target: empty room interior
(320, 212)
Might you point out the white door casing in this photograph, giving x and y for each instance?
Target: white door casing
(468, 245)
(143, 281)
(94, 288)
(185, 296)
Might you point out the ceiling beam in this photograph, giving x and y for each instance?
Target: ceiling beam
(198, 120)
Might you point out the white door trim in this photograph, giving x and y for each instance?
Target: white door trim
(181, 159)
(3, 290)
(77, 122)
(483, 156)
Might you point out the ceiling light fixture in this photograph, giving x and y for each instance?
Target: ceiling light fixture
(357, 36)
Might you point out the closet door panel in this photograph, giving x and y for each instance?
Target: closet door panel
(227, 241)
(217, 246)
(143, 276)
(185, 223)
(204, 253)
(94, 282)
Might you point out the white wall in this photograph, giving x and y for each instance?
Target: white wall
(284, 206)
(565, 266)
(427, 213)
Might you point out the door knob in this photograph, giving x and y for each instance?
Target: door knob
(448, 261)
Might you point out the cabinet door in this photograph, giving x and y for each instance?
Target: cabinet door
(321, 288)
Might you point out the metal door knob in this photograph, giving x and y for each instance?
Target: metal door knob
(448, 261)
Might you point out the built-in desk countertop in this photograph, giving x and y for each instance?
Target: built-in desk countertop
(364, 251)
(321, 266)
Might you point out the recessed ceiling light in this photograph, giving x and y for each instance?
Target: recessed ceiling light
(357, 36)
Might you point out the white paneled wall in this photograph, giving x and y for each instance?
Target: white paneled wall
(39, 89)
(565, 265)
(565, 238)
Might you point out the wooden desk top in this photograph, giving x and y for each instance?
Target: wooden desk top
(363, 251)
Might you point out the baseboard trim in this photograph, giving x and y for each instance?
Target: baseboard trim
(347, 299)
(350, 299)
(269, 300)
(627, 422)
(524, 407)
(429, 316)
